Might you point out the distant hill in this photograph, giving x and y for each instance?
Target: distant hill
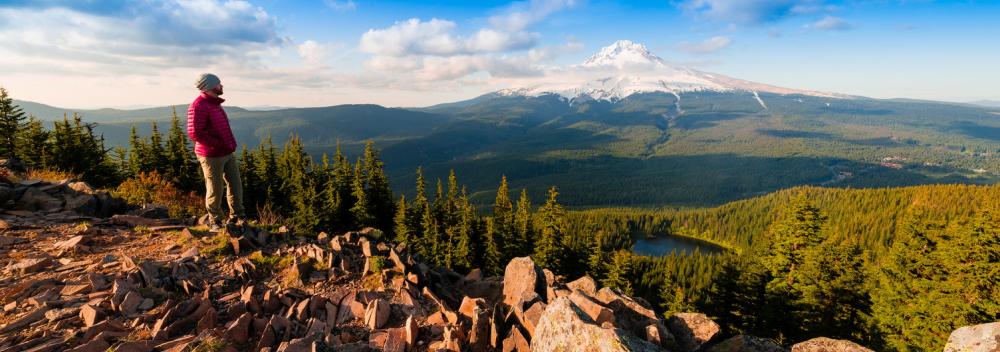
(987, 103)
(610, 136)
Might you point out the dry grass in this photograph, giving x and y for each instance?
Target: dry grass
(153, 188)
(268, 217)
(49, 175)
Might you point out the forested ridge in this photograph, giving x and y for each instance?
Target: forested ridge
(894, 268)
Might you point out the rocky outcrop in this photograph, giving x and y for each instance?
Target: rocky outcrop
(29, 196)
(977, 338)
(693, 330)
(746, 343)
(823, 344)
(173, 288)
(564, 327)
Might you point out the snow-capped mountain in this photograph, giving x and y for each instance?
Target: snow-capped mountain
(625, 68)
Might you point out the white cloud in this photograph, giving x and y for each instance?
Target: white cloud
(522, 15)
(313, 53)
(151, 36)
(830, 23)
(415, 51)
(341, 6)
(750, 12)
(706, 46)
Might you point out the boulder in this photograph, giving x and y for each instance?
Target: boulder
(692, 330)
(31, 265)
(377, 314)
(585, 284)
(35, 199)
(520, 277)
(976, 338)
(594, 310)
(515, 341)
(564, 327)
(824, 344)
(745, 343)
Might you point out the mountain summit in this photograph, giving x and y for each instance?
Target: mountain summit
(623, 53)
(625, 68)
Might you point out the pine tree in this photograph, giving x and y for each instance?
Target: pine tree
(182, 167)
(381, 205)
(503, 223)
(402, 221)
(492, 259)
(339, 193)
(155, 154)
(33, 144)
(598, 258)
(136, 154)
(360, 210)
(304, 196)
(81, 152)
(523, 225)
(267, 171)
(833, 298)
(791, 237)
(11, 120)
(619, 272)
(415, 216)
(549, 249)
(464, 250)
(251, 184)
(433, 248)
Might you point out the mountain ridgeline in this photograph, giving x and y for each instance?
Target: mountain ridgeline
(649, 149)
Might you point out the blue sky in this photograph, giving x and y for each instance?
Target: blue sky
(118, 53)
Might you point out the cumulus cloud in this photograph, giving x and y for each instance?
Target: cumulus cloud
(144, 34)
(706, 46)
(830, 23)
(750, 12)
(313, 53)
(417, 51)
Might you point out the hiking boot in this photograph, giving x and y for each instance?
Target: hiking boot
(238, 220)
(214, 227)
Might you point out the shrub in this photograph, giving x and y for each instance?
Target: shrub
(152, 188)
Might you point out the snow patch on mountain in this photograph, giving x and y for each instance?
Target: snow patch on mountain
(626, 68)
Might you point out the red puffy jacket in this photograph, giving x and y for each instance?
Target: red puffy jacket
(208, 127)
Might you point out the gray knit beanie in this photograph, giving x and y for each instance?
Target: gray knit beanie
(207, 81)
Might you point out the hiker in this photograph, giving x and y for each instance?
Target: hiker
(214, 144)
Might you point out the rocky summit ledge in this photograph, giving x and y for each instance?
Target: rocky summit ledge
(100, 284)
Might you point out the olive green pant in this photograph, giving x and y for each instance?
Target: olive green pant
(222, 174)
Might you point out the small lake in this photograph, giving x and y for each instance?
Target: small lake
(664, 245)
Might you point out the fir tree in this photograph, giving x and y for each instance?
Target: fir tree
(549, 249)
(339, 193)
(503, 223)
(492, 260)
(463, 251)
(251, 184)
(182, 167)
(791, 237)
(136, 155)
(523, 225)
(155, 154)
(11, 121)
(380, 202)
(619, 272)
(33, 144)
(360, 210)
(267, 171)
(402, 220)
(301, 182)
